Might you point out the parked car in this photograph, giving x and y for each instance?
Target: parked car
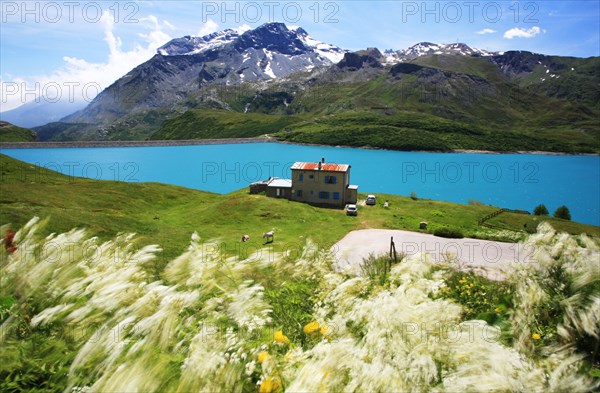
(351, 210)
(371, 200)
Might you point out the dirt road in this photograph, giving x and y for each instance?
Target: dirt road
(483, 255)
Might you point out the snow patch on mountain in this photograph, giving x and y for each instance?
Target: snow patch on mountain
(428, 48)
(328, 51)
(189, 45)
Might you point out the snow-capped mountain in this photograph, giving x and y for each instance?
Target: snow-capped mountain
(185, 65)
(194, 45)
(273, 50)
(428, 48)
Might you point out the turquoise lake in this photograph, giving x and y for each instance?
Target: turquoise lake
(514, 181)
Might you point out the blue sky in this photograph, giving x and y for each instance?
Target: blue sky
(74, 49)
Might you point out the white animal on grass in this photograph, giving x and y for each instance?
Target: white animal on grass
(269, 235)
(245, 238)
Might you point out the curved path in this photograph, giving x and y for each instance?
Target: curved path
(481, 255)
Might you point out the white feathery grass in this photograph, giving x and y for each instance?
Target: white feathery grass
(37, 262)
(569, 267)
(208, 318)
(247, 307)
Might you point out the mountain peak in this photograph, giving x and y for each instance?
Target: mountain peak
(428, 48)
(273, 37)
(189, 45)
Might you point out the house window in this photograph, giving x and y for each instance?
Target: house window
(336, 195)
(311, 176)
(299, 193)
(301, 176)
(323, 195)
(330, 179)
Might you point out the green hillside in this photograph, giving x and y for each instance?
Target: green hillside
(510, 102)
(12, 133)
(206, 124)
(407, 131)
(169, 214)
(434, 103)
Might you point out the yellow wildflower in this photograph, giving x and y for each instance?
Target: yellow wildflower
(281, 338)
(262, 357)
(266, 386)
(269, 385)
(311, 327)
(498, 309)
(536, 336)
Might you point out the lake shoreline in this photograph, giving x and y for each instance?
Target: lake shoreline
(267, 139)
(92, 144)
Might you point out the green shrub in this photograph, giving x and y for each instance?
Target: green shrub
(540, 210)
(377, 268)
(450, 233)
(475, 202)
(563, 212)
(531, 226)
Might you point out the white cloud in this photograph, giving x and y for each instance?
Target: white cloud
(210, 26)
(519, 32)
(486, 31)
(243, 28)
(80, 80)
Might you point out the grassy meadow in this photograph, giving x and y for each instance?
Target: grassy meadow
(184, 305)
(167, 214)
(12, 133)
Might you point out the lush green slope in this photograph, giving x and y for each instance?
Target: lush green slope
(12, 133)
(134, 126)
(168, 214)
(435, 103)
(409, 131)
(203, 124)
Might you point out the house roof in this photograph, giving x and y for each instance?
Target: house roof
(314, 166)
(282, 183)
